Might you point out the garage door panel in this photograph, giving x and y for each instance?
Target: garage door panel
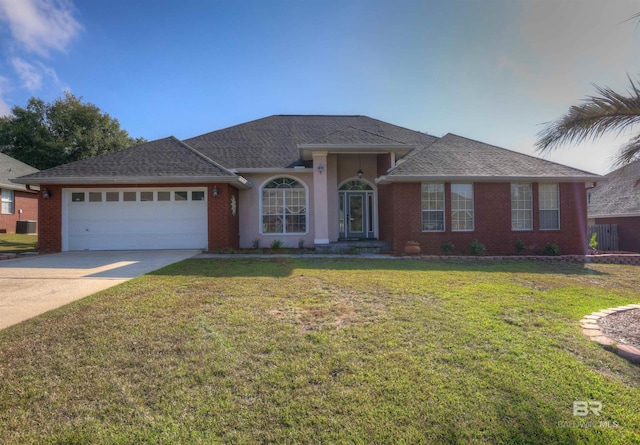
(139, 225)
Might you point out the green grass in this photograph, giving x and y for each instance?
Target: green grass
(12, 243)
(325, 351)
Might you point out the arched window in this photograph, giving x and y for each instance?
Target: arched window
(284, 206)
(355, 185)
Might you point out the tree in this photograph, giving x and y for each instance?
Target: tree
(609, 111)
(45, 135)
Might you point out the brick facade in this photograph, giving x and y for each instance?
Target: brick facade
(28, 202)
(401, 220)
(628, 231)
(223, 227)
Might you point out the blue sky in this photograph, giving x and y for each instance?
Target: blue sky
(492, 70)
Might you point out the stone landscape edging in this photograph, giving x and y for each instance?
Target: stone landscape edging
(591, 328)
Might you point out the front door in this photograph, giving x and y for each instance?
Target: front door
(355, 217)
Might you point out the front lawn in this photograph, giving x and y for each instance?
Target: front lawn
(317, 350)
(12, 243)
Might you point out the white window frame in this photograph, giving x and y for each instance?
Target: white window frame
(457, 209)
(436, 206)
(522, 206)
(284, 225)
(8, 202)
(544, 203)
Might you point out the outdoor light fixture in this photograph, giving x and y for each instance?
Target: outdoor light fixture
(360, 173)
(46, 193)
(320, 168)
(215, 191)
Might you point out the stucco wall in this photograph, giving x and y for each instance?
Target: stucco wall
(250, 218)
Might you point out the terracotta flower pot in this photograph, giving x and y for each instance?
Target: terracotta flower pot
(412, 249)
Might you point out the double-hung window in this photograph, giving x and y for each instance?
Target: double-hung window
(433, 207)
(7, 201)
(284, 207)
(521, 207)
(461, 207)
(549, 206)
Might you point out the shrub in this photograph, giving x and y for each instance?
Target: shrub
(476, 247)
(256, 243)
(551, 249)
(520, 247)
(447, 247)
(276, 244)
(301, 243)
(593, 242)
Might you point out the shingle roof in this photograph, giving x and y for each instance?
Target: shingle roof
(456, 156)
(272, 142)
(162, 158)
(619, 195)
(11, 168)
(351, 135)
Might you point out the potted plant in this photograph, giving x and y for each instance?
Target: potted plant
(412, 247)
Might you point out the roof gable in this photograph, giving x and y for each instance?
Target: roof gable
(163, 158)
(272, 142)
(456, 156)
(11, 168)
(619, 194)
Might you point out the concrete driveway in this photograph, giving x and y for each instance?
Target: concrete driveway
(33, 285)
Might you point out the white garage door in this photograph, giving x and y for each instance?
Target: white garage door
(135, 219)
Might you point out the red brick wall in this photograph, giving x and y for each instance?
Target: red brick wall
(28, 202)
(383, 163)
(628, 232)
(223, 226)
(50, 220)
(401, 220)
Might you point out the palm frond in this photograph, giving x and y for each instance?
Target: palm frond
(607, 112)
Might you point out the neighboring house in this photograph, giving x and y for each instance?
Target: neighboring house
(313, 180)
(18, 202)
(617, 201)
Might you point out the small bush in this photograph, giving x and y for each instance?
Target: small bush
(551, 249)
(276, 244)
(256, 243)
(476, 247)
(301, 243)
(520, 247)
(447, 247)
(593, 242)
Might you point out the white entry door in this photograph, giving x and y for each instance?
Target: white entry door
(134, 219)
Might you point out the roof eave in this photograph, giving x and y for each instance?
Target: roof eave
(272, 170)
(237, 181)
(306, 150)
(418, 178)
(613, 215)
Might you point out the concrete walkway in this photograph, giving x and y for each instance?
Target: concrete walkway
(33, 285)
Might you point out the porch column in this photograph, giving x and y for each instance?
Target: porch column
(320, 198)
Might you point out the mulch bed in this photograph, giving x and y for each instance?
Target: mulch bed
(623, 327)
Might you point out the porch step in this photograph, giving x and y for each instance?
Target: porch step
(354, 247)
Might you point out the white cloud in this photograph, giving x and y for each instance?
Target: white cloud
(40, 25)
(5, 109)
(29, 76)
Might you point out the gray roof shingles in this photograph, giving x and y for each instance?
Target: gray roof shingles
(619, 194)
(273, 142)
(457, 156)
(11, 168)
(160, 158)
(276, 141)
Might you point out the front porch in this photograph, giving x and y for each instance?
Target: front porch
(355, 247)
